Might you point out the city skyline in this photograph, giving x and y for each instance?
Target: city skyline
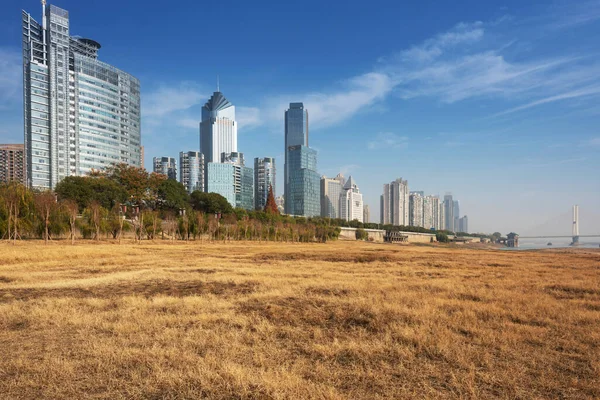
(517, 133)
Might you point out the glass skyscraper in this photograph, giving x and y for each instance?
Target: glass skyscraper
(166, 166)
(79, 113)
(264, 177)
(218, 128)
(232, 180)
(191, 170)
(303, 197)
(296, 133)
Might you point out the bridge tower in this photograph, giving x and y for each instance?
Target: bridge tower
(575, 226)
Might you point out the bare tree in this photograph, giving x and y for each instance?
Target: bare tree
(45, 204)
(72, 209)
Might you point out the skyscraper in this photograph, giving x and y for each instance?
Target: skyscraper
(456, 212)
(399, 204)
(366, 214)
(415, 216)
(304, 191)
(166, 166)
(264, 178)
(79, 113)
(331, 189)
(12, 163)
(191, 170)
(296, 134)
(448, 213)
(463, 224)
(428, 216)
(351, 202)
(218, 128)
(231, 179)
(385, 206)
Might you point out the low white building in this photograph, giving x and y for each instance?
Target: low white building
(351, 202)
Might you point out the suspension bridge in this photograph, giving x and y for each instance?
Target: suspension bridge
(574, 231)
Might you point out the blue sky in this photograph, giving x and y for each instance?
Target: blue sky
(498, 104)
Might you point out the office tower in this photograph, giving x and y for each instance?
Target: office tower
(428, 212)
(463, 224)
(331, 189)
(366, 214)
(303, 187)
(12, 163)
(231, 179)
(437, 213)
(79, 112)
(191, 170)
(456, 213)
(264, 178)
(218, 128)
(166, 166)
(415, 217)
(296, 134)
(351, 202)
(448, 213)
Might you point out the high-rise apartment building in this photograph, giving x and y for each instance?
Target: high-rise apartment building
(296, 134)
(12, 163)
(456, 212)
(166, 166)
(366, 214)
(437, 213)
(218, 128)
(448, 213)
(231, 179)
(351, 202)
(264, 178)
(303, 195)
(415, 214)
(191, 170)
(395, 203)
(428, 212)
(79, 112)
(280, 201)
(463, 224)
(331, 189)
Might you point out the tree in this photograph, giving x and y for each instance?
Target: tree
(71, 209)
(85, 189)
(45, 204)
(210, 203)
(271, 206)
(361, 234)
(135, 181)
(95, 215)
(172, 195)
(496, 236)
(442, 237)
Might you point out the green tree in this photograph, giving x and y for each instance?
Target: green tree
(442, 237)
(172, 195)
(210, 203)
(86, 189)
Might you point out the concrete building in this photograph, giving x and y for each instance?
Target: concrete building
(366, 214)
(415, 212)
(296, 134)
(280, 201)
(463, 224)
(218, 128)
(331, 189)
(191, 170)
(12, 163)
(80, 114)
(264, 178)
(303, 191)
(428, 212)
(231, 179)
(437, 213)
(166, 166)
(395, 203)
(448, 213)
(351, 202)
(456, 214)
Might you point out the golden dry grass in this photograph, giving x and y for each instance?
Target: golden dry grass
(335, 321)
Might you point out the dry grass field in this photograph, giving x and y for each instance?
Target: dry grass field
(294, 321)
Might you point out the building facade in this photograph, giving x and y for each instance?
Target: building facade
(463, 224)
(280, 201)
(264, 178)
(456, 213)
(303, 197)
(366, 214)
(231, 179)
(428, 212)
(415, 213)
(351, 202)
(296, 134)
(12, 163)
(166, 166)
(218, 128)
(80, 114)
(191, 170)
(448, 213)
(331, 190)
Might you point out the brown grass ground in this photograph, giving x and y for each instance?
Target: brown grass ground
(335, 321)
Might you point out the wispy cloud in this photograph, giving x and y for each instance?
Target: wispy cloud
(594, 142)
(346, 170)
(167, 99)
(248, 117)
(10, 77)
(388, 140)
(571, 15)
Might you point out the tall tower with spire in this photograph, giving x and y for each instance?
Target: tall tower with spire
(218, 128)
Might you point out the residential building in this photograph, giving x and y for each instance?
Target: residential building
(80, 114)
(331, 189)
(12, 163)
(366, 214)
(166, 166)
(351, 202)
(437, 213)
(264, 178)
(448, 213)
(191, 170)
(463, 224)
(395, 203)
(428, 217)
(280, 201)
(303, 191)
(218, 128)
(385, 205)
(296, 134)
(415, 213)
(231, 179)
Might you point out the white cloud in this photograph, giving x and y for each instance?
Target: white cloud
(248, 117)
(168, 99)
(11, 78)
(388, 140)
(347, 169)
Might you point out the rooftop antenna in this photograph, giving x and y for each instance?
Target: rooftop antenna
(218, 83)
